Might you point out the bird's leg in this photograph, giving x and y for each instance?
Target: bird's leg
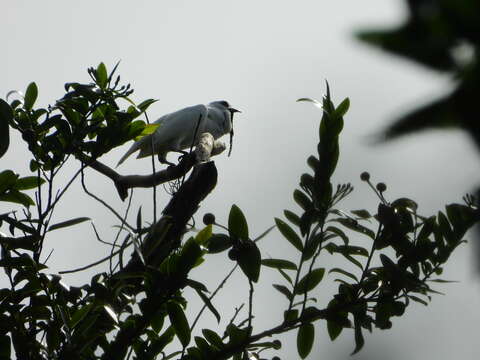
(163, 160)
(183, 154)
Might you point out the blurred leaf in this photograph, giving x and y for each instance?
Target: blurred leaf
(279, 264)
(30, 96)
(363, 214)
(68, 223)
(6, 116)
(305, 338)
(237, 223)
(179, 322)
(310, 281)
(289, 234)
(28, 182)
(315, 102)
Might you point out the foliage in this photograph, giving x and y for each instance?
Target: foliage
(139, 309)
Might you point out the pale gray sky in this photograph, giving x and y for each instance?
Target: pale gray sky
(260, 56)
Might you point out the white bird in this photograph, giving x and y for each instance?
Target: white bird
(176, 131)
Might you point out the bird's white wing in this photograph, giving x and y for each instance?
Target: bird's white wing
(176, 132)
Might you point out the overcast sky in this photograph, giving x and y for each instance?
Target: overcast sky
(260, 56)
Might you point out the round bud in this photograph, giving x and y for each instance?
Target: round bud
(275, 358)
(365, 176)
(208, 219)
(276, 344)
(381, 187)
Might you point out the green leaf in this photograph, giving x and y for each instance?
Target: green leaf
(363, 214)
(28, 182)
(6, 116)
(342, 109)
(204, 235)
(279, 264)
(305, 338)
(334, 329)
(79, 315)
(343, 272)
(179, 322)
(218, 243)
(30, 96)
(302, 200)
(249, 259)
(355, 226)
(139, 219)
(7, 180)
(359, 340)
(17, 197)
(292, 217)
(339, 233)
(315, 102)
(189, 255)
(101, 75)
(209, 304)
(237, 223)
(310, 281)
(149, 129)
(143, 106)
(213, 338)
(68, 223)
(289, 234)
(284, 290)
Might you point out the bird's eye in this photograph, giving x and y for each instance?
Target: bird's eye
(224, 103)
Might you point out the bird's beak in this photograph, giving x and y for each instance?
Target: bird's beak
(232, 110)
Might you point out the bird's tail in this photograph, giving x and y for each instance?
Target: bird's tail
(130, 151)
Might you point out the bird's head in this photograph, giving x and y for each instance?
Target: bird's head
(224, 105)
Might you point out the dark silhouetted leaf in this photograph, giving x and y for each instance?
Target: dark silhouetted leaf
(305, 338)
(30, 96)
(237, 223)
(279, 264)
(209, 304)
(67, 223)
(289, 234)
(310, 281)
(6, 116)
(284, 290)
(343, 272)
(249, 259)
(28, 182)
(218, 243)
(179, 322)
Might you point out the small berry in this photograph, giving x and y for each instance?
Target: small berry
(381, 187)
(276, 344)
(208, 219)
(365, 176)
